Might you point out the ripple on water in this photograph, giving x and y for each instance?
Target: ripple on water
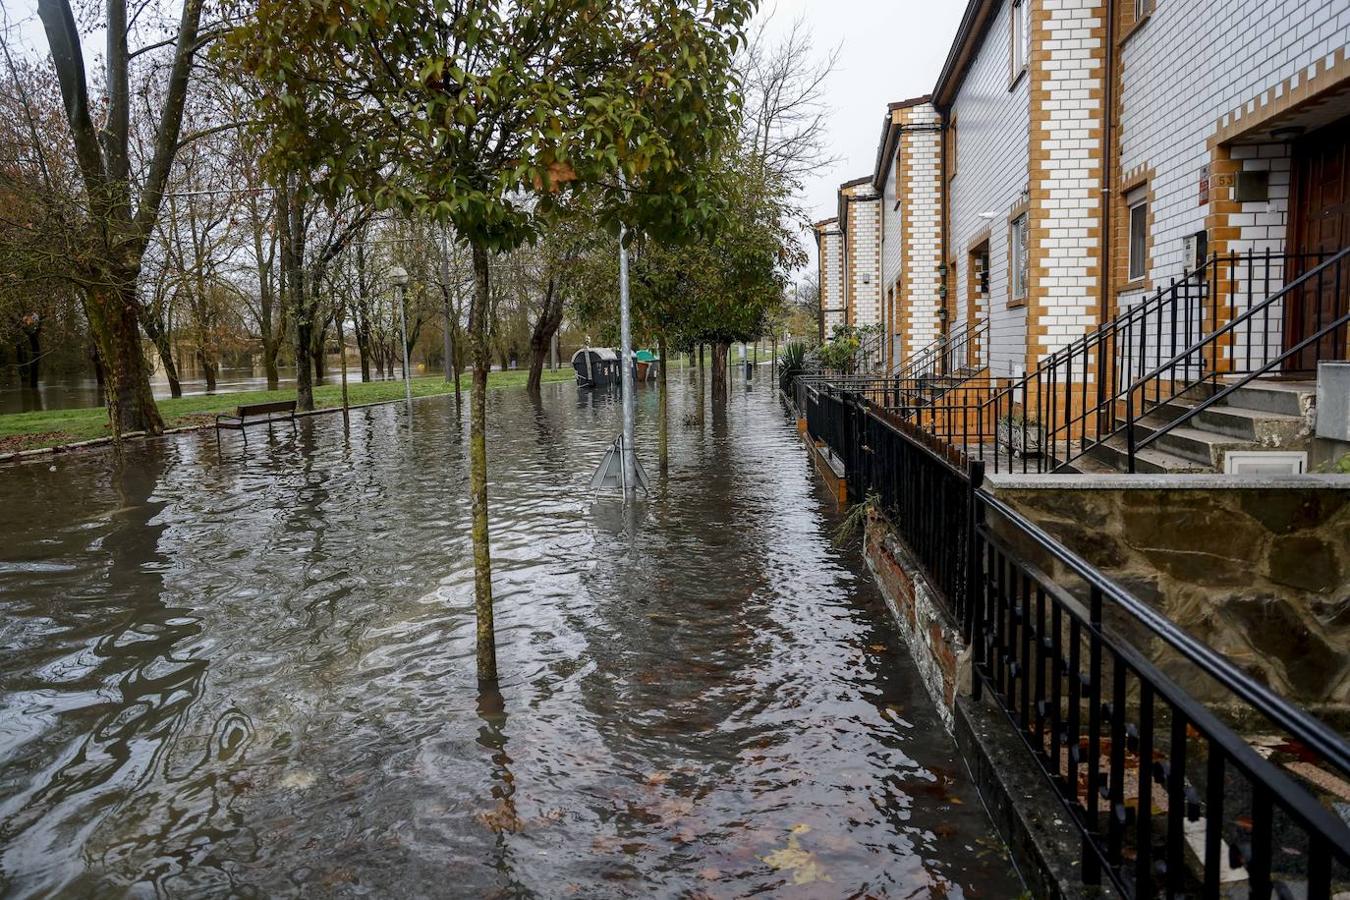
(253, 672)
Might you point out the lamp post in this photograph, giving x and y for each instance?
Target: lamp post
(398, 277)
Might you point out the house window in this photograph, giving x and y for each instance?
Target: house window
(1020, 261)
(1021, 35)
(1137, 200)
(1140, 9)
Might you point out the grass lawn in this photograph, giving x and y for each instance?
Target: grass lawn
(31, 430)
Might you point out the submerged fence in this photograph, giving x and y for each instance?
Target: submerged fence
(1169, 800)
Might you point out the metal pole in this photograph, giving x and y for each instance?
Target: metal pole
(627, 376)
(407, 365)
(449, 348)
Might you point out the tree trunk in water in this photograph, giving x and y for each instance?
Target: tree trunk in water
(33, 364)
(482, 551)
(208, 371)
(458, 365)
(111, 311)
(550, 319)
(317, 345)
(663, 433)
(702, 388)
(270, 364)
(719, 377)
(100, 375)
(293, 292)
(162, 346)
(304, 372)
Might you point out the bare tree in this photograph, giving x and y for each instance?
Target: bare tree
(121, 207)
(786, 108)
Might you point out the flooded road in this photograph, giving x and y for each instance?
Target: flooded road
(253, 674)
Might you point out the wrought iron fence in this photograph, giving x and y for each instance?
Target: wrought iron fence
(1168, 798)
(1226, 318)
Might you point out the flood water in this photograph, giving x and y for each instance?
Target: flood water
(252, 673)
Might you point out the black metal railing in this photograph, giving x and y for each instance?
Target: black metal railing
(963, 350)
(1250, 344)
(1224, 318)
(1169, 799)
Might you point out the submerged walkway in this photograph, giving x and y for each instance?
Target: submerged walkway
(255, 673)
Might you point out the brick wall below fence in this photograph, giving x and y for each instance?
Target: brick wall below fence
(933, 639)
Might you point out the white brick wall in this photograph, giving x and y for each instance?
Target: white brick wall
(830, 248)
(1191, 64)
(1066, 223)
(992, 136)
(862, 260)
(923, 201)
(891, 218)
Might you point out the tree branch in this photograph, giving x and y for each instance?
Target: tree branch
(171, 120)
(63, 38)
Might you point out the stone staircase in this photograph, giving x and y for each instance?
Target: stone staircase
(1267, 414)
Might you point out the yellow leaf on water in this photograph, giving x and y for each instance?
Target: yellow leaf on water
(801, 864)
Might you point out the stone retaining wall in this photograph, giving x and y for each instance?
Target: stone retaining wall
(1258, 571)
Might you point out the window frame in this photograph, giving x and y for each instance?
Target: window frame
(1020, 26)
(1019, 275)
(1136, 206)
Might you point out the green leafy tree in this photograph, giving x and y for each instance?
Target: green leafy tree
(718, 291)
(479, 114)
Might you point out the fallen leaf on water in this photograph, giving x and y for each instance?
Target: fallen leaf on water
(709, 874)
(792, 859)
(877, 648)
(501, 819)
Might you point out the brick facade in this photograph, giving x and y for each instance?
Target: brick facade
(830, 275)
(1067, 77)
(1117, 103)
(908, 177)
(860, 218)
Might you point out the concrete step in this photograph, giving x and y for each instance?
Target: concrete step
(1287, 398)
(1150, 460)
(1269, 429)
(1204, 447)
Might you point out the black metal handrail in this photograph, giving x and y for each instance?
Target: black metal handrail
(1062, 405)
(1100, 719)
(925, 360)
(1077, 397)
(1242, 326)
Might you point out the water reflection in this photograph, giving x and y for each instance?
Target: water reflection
(252, 671)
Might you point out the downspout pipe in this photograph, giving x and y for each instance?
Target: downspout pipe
(1108, 173)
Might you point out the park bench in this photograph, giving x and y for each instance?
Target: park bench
(256, 414)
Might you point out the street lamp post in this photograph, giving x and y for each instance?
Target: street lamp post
(398, 277)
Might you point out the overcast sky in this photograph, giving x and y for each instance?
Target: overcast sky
(891, 50)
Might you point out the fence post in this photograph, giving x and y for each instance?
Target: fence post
(974, 576)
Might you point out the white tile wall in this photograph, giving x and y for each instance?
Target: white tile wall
(1192, 63)
(862, 259)
(923, 150)
(992, 137)
(831, 249)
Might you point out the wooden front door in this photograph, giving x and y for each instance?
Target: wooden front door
(1319, 227)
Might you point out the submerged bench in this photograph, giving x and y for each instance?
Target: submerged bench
(256, 414)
